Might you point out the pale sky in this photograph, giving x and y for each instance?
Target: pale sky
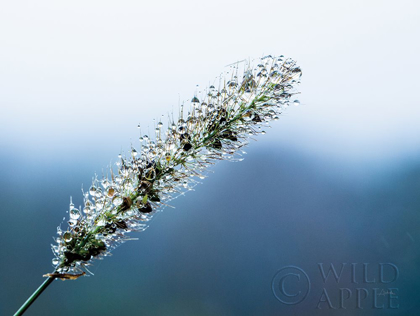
(82, 72)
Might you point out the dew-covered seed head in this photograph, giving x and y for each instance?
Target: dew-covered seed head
(172, 161)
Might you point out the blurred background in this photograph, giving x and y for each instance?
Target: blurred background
(335, 180)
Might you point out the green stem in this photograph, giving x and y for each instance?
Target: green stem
(34, 296)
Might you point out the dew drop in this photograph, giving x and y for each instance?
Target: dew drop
(150, 173)
(232, 84)
(248, 116)
(110, 192)
(168, 156)
(92, 190)
(170, 146)
(67, 237)
(105, 183)
(101, 222)
(195, 101)
(117, 201)
(74, 213)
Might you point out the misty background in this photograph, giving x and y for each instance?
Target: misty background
(335, 180)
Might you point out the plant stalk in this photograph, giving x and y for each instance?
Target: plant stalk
(34, 296)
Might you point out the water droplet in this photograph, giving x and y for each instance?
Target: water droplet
(117, 200)
(134, 152)
(170, 146)
(74, 213)
(296, 102)
(101, 222)
(150, 173)
(168, 156)
(92, 190)
(195, 101)
(55, 261)
(105, 183)
(248, 116)
(267, 57)
(110, 192)
(67, 237)
(182, 127)
(232, 84)
(296, 72)
(87, 210)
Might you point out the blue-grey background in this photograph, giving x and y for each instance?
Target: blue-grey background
(336, 180)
